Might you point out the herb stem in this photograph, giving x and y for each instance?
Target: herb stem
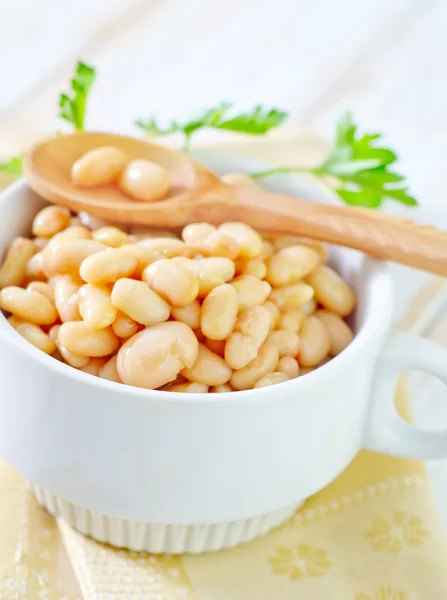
(278, 170)
(80, 114)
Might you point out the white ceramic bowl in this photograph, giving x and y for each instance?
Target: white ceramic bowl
(178, 473)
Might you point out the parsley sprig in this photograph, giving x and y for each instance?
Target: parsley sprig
(72, 109)
(255, 122)
(357, 167)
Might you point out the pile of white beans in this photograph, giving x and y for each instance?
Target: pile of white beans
(213, 310)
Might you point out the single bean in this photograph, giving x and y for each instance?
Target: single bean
(189, 314)
(109, 370)
(66, 256)
(173, 281)
(264, 363)
(66, 299)
(136, 300)
(108, 266)
(75, 232)
(291, 264)
(43, 288)
(36, 268)
(250, 242)
(78, 362)
(111, 237)
(208, 368)
(188, 388)
(253, 267)
(81, 340)
(14, 268)
(221, 389)
(250, 332)
(340, 333)
(94, 365)
(287, 342)
(51, 220)
(99, 166)
(213, 272)
(196, 233)
(309, 308)
(123, 326)
(314, 342)
(331, 291)
(145, 181)
(291, 320)
(292, 296)
(219, 312)
(271, 379)
(220, 243)
(34, 334)
(95, 306)
(156, 355)
(28, 305)
(168, 247)
(289, 366)
(251, 291)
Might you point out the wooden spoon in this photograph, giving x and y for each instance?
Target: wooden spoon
(198, 195)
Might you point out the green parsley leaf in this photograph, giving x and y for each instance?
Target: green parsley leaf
(73, 105)
(256, 122)
(152, 129)
(358, 168)
(351, 155)
(13, 166)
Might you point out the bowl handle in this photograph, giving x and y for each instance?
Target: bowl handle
(386, 430)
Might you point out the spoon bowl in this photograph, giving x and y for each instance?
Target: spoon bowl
(47, 167)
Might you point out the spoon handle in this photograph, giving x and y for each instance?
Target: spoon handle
(379, 234)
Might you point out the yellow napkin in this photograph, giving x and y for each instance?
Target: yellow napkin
(33, 563)
(373, 534)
